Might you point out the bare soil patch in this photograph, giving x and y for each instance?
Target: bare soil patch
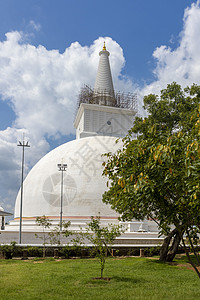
(102, 278)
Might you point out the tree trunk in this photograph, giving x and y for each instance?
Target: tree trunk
(102, 261)
(193, 248)
(44, 250)
(168, 253)
(101, 272)
(174, 248)
(189, 258)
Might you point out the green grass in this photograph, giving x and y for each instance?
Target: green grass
(131, 278)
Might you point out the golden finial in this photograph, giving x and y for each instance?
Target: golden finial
(104, 47)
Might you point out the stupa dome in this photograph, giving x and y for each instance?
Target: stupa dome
(102, 117)
(78, 194)
(83, 184)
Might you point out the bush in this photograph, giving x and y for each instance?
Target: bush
(151, 251)
(34, 251)
(73, 251)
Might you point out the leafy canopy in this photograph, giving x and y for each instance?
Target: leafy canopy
(157, 175)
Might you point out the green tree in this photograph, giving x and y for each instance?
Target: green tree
(157, 174)
(55, 234)
(45, 223)
(101, 238)
(51, 236)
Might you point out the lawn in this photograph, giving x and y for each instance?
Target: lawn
(131, 278)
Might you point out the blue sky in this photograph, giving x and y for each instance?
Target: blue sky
(48, 49)
(138, 26)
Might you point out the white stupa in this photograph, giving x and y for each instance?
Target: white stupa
(102, 117)
(100, 120)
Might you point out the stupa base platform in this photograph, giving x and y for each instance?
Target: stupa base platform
(144, 239)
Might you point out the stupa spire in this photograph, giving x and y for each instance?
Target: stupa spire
(103, 88)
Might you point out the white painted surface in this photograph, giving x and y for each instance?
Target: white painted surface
(98, 120)
(83, 183)
(97, 127)
(104, 78)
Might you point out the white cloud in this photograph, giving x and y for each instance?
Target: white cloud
(182, 64)
(34, 25)
(10, 162)
(42, 87)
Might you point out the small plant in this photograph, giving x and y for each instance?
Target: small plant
(45, 223)
(101, 237)
(55, 234)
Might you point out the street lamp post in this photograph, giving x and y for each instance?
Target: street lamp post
(23, 145)
(61, 167)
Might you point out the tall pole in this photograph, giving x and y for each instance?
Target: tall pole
(61, 201)
(23, 145)
(61, 167)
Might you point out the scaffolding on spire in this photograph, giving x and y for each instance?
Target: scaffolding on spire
(122, 100)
